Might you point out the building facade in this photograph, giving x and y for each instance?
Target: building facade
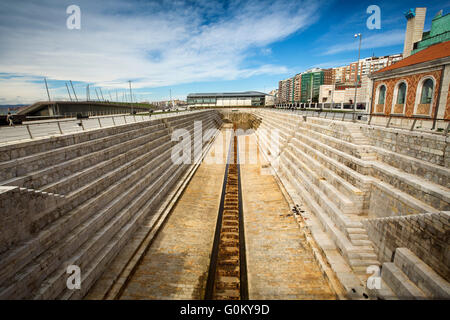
(228, 99)
(310, 85)
(416, 87)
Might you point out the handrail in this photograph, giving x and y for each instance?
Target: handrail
(365, 117)
(41, 129)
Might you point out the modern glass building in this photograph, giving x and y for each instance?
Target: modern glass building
(227, 99)
(310, 86)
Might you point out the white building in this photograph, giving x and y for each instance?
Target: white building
(227, 99)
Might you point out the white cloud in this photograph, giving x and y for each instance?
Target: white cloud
(154, 44)
(378, 40)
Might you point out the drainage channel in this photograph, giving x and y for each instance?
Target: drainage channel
(227, 276)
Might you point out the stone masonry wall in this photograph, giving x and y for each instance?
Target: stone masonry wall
(423, 146)
(427, 235)
(22, 211)
(384, 203)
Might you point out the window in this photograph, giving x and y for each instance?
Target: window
(401, 93)
(424, 96)
(427, 92)
(382, 94)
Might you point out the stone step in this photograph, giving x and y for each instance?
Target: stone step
(422, 275)
(364, 262)
(112, 196)
(411, 184)
(36, 269)
(92, 247)
(69, 183)
(355, 178)
(350, 191)
(94, 271)
(320, 197)
(53, 233)
(399, 283)
(429, 171)
(358, 236)
(78, 145)
(432, 194)
(346, 205)
(340, 239)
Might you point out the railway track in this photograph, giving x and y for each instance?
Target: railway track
(227, 277)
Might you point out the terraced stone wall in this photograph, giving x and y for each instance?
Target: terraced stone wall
(428, 147)
(426, 235)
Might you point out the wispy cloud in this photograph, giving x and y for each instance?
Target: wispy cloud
(152, 43)
(378, 40)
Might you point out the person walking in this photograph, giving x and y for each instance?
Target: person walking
(9, 119)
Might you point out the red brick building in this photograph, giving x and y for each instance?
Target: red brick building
(415, 87)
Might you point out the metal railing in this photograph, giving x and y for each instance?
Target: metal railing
(48, 128)
(417, 123)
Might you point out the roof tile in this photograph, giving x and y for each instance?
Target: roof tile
(436, 51)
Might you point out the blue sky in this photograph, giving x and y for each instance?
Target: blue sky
(185, 46)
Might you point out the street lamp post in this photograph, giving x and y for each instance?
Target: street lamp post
(357, 69)
(131, 98)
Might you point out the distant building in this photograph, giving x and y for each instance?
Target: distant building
(415, 87)
(310, 84)
(354, 72)
(283, 91)
(297, 87)
(227, 99)
(331, 93)
(269, 100)
(290, 90)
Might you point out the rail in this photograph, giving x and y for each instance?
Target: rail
(227, 276)
(48, 128)
(417, 123)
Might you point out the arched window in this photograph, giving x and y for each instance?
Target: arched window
(427, 91)
(382, 94)
(401, 93)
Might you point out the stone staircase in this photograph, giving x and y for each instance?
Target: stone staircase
(339, 175)
(111, 179)
(408, 277)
